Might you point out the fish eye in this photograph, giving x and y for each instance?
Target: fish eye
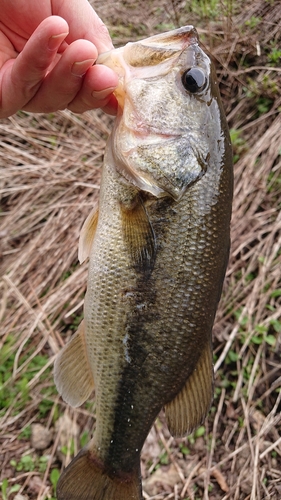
(193, 80)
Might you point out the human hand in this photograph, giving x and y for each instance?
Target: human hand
(47, 52)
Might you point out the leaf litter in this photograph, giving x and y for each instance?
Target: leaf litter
(50, 173)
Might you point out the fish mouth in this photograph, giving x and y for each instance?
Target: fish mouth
(156, 54)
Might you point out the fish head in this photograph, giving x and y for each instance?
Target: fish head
(168, 129)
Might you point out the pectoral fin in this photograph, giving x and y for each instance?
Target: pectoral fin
(139, 236)
(189, 408)
(72, 372)
(87, 235)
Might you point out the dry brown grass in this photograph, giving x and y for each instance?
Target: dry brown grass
(50, 171)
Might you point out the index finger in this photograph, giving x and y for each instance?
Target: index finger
(21, 77)
(84, 23)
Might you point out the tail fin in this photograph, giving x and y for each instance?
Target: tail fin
(86, 478)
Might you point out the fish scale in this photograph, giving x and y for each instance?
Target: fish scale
(158, 246)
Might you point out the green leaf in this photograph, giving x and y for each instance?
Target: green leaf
(15, 488)
(270, 308)
(184, 450)
(200, 431)
(276, 325)
(253, 22)
(256, 340)
(54, 477)
(270, 339)
(261, 329)
(164, 460)
(65, 449)
(26, 463)
(233, 356)
(25, 433)
(84, 439)
(276, 293)
(4, 488)
(43, 463)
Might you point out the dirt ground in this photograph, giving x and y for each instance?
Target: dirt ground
(50, 173)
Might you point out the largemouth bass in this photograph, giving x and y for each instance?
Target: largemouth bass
(158, 247)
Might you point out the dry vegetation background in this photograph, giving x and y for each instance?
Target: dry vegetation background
(50, 172)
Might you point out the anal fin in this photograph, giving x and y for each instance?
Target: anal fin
(87, 235)
(189, 408)
(72, 372)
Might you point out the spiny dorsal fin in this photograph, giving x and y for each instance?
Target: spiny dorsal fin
(86, 478)
(87, 235)
(189, 408)
(139, 236)
(72, 372)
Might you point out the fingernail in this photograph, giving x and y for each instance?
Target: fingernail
(56, 40)
(80, 68)
(102, 94)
